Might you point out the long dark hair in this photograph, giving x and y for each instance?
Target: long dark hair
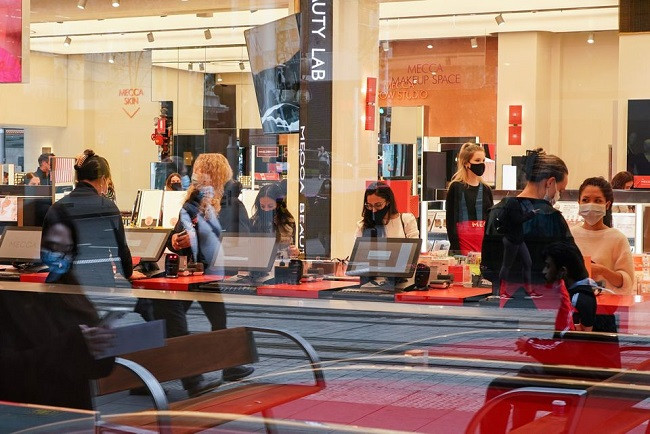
(382, 190)
(620, 179)
(606, 189)
(281, 216)
(541, 166)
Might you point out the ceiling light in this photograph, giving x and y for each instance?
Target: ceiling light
(207, 34)
(219, 78)
(241, 66)
(116, 3)
(67, 41)
(201, 66)
(190, 67)
(384, 45)
(111, 58)
(429, 46)
(474, 42)
(253, 11)
(499, 19)
(81, 4)
(590, 38)
(150, 37)
(204, 15)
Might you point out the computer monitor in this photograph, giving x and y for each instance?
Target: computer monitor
(146, 244)
(247, 252)
(21, 244)
(384, 257)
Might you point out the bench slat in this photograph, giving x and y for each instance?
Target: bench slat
(218, 350)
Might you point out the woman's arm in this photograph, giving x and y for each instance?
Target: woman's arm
(410, 226)
(452, 215)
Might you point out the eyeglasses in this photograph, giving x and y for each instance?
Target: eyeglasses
(375, 206)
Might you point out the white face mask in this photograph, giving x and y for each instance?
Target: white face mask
(553, 199)
(592, 212)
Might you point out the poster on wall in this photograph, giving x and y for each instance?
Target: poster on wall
(315, 136)
(11, 41)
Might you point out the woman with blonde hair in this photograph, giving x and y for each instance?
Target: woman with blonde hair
(468, 200)
(197, 236)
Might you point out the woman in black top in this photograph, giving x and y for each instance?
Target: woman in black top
(468, 200)
(101, 242)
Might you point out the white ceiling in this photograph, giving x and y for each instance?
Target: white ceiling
(101, 28)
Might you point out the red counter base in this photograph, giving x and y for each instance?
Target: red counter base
(304, 290)
(33, 277)
(455, 295)
(182, 283)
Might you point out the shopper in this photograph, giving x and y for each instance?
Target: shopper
(43, 171)
(173, 182)
(271, 215)
(468, 200)
(547, 176)
(31, 179)
(98, 225)
(623, 181)
(197, 236)
(233, 215)
(380, 217)
(607, 247)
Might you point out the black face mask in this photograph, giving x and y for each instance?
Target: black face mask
(378, 216)
(477, 169)
(176, 186)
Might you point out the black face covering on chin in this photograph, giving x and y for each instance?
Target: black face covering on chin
(176, 186)
(378, 216)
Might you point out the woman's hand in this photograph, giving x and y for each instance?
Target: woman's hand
(137, 275)
(180, 240)
(599, 271)
(98, 339)
(294, 251)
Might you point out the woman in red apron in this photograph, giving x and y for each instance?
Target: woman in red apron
(468, 200)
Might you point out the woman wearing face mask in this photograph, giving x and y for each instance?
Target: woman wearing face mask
(608, 247)
(197, 236)
(530, 222)
(271, 215)
(101, 243)
(380, 215)
(173, 182)
(468, 201)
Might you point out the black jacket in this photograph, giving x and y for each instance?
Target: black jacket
(100, 237)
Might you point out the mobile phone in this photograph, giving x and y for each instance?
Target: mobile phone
(111, 316)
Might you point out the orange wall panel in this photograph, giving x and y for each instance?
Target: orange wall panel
(456, 82)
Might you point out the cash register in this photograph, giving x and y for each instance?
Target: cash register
(147, 244)
(20, 247)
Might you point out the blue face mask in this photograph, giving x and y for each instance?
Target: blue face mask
(58, 263)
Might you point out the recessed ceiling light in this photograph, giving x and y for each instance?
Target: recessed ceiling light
(116, 3)
(474, 42)
(67, 41)
(111, 58)
(499, 19)
(201, 66)
(429, 46)
(241, 66)
(207, 34)
(219, 78)
(150, 37)
(385, 46)
(190, 67)
(81, 4)
(590, 38)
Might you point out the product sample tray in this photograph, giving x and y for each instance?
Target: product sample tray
(304, 290)
(454, 295)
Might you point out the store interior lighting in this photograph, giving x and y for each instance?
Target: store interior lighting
(190, 67)
(67, 41)
(201, 66)
(590, 38)
(81, 4)
(499, 19)
(207, 34)
(385, 46)
(241, 66)
(430, 46)
(111, 58)
(474, 42)
(116, 3)
(150, 37)
(219, 78)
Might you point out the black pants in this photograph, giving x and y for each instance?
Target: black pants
(174, 312)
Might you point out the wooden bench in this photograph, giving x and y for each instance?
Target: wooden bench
(197, 354)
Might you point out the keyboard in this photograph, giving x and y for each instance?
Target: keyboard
(368, 294)
(9, 275)
(229, 288)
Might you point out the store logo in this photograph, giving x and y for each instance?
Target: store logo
(131, 100)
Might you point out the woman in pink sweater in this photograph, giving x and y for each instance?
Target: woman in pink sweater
(608, 247)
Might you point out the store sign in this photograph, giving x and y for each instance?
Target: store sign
(267, 151)
(131, 100)
(315, 142)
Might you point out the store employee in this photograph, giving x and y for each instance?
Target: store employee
(380, 217)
